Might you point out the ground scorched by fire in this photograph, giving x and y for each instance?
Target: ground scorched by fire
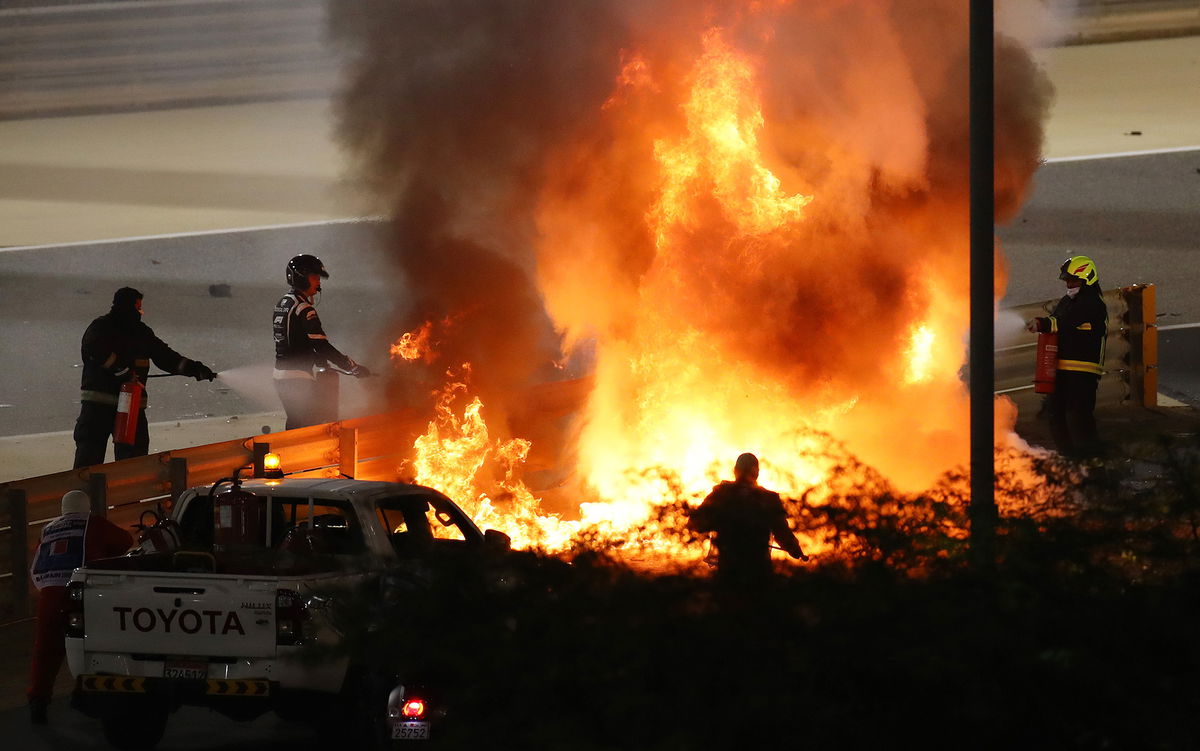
(743, 223)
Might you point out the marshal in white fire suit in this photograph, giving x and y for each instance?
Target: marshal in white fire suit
(301, 347)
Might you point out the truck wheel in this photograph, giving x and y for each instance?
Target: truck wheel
(134, 730)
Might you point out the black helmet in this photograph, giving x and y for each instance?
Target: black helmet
(124, 305)
(746, 467)
(301, 266)
(125, 299)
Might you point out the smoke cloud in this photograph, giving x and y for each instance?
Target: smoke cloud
(535, 156)
(450, 110)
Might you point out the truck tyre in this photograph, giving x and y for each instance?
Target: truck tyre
(135, 728)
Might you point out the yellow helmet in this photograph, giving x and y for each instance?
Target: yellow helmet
(1081, 268)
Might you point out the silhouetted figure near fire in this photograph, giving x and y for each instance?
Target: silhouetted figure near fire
(744, 517)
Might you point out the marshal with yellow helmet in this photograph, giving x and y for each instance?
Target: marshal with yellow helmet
(1080, 321)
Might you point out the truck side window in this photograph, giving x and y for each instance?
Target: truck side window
(333, 527)
(444, 525)
(196, 525)
(408, 527)
(392, 521)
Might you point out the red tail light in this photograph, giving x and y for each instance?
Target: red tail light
(413, 709)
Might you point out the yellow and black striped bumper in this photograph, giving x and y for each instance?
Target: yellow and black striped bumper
(112, 684)
(120, 684)
(230, 687)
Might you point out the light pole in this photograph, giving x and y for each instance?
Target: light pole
(983, 200)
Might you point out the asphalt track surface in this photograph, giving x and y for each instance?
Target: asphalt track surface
(189, 729)
(49, 295)
(1138, 216)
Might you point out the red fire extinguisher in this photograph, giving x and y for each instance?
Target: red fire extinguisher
(1047, 363)
(129, 404)
(238, 520)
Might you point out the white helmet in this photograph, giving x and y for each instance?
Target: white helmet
(76, 502)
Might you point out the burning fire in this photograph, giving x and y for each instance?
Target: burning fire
(455, 455)
(414, 345)
(719, 157)
(761, 251)
(700, 366)
(920, 354)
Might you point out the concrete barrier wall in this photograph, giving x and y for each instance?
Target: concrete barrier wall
(1123, 20)
(61, 57)
(76, 58)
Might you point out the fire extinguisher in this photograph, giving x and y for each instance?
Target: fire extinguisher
(129, 404)
(1047, 363)
(238, 520)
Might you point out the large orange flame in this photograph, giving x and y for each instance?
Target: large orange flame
(751, 278)
(457, 456)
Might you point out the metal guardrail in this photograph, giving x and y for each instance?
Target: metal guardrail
(1131, 352)
(371, 448)
(366, 448)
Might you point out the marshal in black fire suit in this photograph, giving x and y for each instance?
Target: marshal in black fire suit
(1081, 321)
(115, 348)
(301, 346)
(745, 516)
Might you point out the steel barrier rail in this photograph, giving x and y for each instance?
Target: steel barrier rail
(369, 448)
(1131, 352)
(374, 447)
(131, 481)
(124, 489)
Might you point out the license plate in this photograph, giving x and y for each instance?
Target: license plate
(410, 731)
(188, 671)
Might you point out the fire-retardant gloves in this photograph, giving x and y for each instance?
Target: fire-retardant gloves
(200, 371)
(359, 371)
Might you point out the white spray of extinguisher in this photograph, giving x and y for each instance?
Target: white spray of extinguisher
(129, 404)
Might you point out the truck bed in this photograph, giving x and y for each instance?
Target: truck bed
(252, 563)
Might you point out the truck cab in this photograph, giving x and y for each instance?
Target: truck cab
(224, 619)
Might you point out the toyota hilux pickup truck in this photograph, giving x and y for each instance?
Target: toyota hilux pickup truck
(223, 617)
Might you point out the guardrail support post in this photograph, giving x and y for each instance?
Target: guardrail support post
(1139, 331)
(1150, 345)
(19, 550)
(260, 454)
(348, 452)
(178, 469)
(98, 490)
